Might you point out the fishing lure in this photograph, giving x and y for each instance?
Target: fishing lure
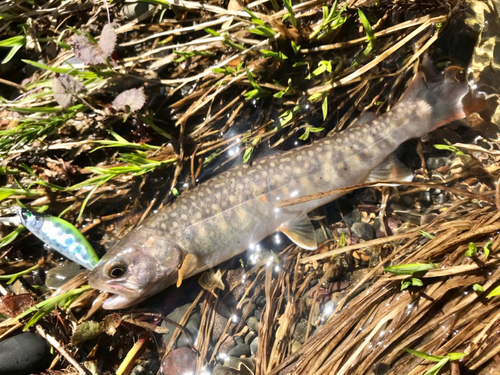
(58, 234)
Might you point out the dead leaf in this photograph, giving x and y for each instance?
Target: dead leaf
(65, 87)
(132, 100)
(210, 280)
(86, 331)
(95, 53)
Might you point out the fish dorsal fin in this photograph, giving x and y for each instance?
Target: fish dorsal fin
(391, 169)
(301, 232)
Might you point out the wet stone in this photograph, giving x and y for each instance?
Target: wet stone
(227, 345)
(224, 370)
(180, 361)
(336, 298)
(135, 10)
(250, 337)
(363, 230)
(328, 308)
(260, 301)
(295, 345)
(23, 354)
(239, 340)
(192, 325)
(219, 325)
(240, 350)
(436, 162)
(320, 234)
(425, 198)
(299, 333)
(427, 218)
(407, 200)
(254, 346)
(441, 198)
(59, 275)
(252, 323)
(257, 315)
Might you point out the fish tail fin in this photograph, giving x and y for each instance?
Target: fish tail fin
(448, 98)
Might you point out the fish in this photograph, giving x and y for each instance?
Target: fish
(58, 234)
(234, 210)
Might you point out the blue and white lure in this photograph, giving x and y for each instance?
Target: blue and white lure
(58, 234)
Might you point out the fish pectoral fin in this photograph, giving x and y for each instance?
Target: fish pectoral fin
(188, 265)
(391, 169)
(301, 232)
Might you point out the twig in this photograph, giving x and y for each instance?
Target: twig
(52, 341)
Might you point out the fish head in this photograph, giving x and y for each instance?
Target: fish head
(140, 265)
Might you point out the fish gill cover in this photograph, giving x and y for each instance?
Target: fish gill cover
(219, 82)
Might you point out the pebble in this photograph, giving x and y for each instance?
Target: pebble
(239, 340)
(224, 370)
(252, 323)
(257, 314)
(254, 346)
(407, 200)
(23, 354)
(134, 10)
(260, 301)
(320, 234)
(299, 333)
(436, 162)
(219, 325)
(179, 361)
(336, 298)
(425, 198)
(227, 345)
(192, 325)
(328, 308)
(295, 345)
(240, 350)
(57, 276)
(381, 369)
(427, 218)
(441, 198)
(363, 230)
(357, 275)
(250, 337)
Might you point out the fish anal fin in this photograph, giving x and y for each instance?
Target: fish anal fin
(188, 265)
(391, 170)
(301, 232)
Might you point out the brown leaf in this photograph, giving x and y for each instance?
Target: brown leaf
(95, 53)
(65, 87)
(111, 323)
(132, 100)
(211, 280)
(13, 305)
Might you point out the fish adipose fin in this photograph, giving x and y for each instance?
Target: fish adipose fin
(188, 265)
(391, 169)
(301, 232)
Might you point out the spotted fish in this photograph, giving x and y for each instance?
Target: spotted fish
(228, 213)
(58, 234)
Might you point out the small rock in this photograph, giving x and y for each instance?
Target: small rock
(239, 340)
(57, 276)
(257, 314)
(299, 333)
(355, 216)
(224, 370)
(240, 350)
(250, 337)
(328, 308)
(357, 275)
(192, 325)
(254, 346)
(407, 200)
(219, 325)
(441, 198)
(336, 298)
(320, 234)
(295, 345)
(260, 301)
(227, 345)
(436, 162)
(252, 323)
(427, 218)
(381, 369)
(425, 198)
(363, 230)
(23, 354)
(179, 361)
(134, 10)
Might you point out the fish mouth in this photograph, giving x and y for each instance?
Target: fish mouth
(121, 296)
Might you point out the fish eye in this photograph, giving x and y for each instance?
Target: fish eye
(117, 270)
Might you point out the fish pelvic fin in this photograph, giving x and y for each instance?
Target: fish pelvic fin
(391, 169)
(449, 98)
(301, 232)
(188, 265)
